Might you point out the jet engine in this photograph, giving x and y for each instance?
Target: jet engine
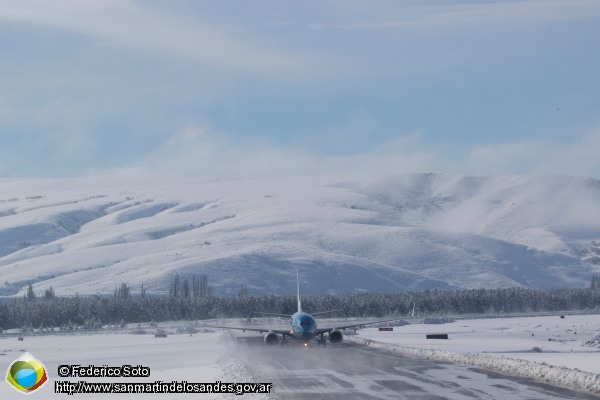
(271, 338)
(336, 336)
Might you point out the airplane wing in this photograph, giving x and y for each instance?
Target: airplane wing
(283, 332)
(359, 325)
(326, 312)
(277, 315)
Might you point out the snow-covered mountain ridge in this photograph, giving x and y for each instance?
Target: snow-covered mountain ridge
(407, 232)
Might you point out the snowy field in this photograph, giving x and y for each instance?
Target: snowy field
(569, 346)
(202, 357)
(206, 355)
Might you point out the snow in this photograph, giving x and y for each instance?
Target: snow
(195, 353)
(204, 357)
(407, 232)
(546, 348)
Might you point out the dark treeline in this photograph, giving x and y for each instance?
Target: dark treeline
(90, 312)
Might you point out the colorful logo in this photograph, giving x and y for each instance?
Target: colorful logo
(26, 374)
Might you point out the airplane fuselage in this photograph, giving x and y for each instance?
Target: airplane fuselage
(304, 326)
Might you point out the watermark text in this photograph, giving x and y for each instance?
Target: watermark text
(70, 388)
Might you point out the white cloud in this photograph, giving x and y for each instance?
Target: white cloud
(578, 156)
(200, 149)
(78, 98)
(197, 148)
(129, 23)
(460, 14)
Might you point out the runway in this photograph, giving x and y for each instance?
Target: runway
(350, 371)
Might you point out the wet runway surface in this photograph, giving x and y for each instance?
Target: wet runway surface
(350, 371)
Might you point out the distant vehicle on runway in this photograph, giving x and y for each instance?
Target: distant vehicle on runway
(303, 327)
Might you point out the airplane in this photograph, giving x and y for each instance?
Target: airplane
(303, 327)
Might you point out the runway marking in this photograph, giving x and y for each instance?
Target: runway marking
(351, 371)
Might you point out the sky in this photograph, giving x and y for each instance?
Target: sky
(273, 88)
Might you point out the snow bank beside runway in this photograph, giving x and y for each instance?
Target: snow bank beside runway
(540, 348)
(558, 376)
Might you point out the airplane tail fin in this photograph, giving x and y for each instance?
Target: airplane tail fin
(298, 283)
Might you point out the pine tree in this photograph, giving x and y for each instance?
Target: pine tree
(174, 291)
(195, 287)
(49, 294)
(30, 296)
(204, 290)
(123, 292)
(185, 289)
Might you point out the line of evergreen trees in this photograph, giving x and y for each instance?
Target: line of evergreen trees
(199, 288)
(95, 311)
(595, 284)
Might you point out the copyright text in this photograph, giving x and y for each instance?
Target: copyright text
(92, 371)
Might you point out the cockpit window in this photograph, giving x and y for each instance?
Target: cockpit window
(306, 322)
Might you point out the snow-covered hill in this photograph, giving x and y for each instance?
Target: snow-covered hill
(87, 235)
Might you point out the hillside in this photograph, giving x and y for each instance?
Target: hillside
(345, 233)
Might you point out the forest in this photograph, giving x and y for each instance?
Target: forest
(193, 300)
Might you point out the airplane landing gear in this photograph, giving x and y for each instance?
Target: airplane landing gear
(284, 342)
(322, 341)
